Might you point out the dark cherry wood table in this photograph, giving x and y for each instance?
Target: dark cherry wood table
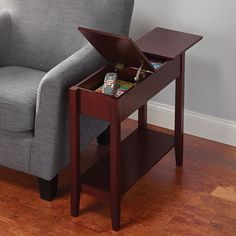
(130, 159)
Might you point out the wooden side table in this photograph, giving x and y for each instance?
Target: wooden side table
(131, 158)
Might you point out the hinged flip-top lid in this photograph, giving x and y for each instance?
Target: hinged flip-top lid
(117, 49)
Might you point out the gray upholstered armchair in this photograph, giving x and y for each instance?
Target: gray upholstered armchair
(41, 55)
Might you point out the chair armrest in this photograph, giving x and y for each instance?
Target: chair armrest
(74, 69)
(5, 34)
(50, 145)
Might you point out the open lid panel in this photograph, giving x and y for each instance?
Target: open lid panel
(166, 43)
(117, 49)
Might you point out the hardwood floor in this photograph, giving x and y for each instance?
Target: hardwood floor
(198, 199)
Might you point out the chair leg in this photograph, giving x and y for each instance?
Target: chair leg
(48, 189)
(104, 138)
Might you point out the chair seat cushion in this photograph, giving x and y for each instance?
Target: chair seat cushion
(18, 95)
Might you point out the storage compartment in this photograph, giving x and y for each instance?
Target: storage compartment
(123, 57)
(157, 62)
(126, 74)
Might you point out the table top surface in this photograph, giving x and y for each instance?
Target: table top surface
(166, 43)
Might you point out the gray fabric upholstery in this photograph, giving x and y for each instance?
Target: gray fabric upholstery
(44, 37)
(5, 34)
(50, 145)
(18, 94)
(45, 32)
(15, 149)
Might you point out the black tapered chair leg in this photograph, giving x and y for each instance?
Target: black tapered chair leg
(104, 137)
(48, 189)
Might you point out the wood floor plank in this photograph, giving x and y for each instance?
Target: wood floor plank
(226, 193)
(224, 224)
(177, 228)
(13, 227)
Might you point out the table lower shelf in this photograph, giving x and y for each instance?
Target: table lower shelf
(140, 151)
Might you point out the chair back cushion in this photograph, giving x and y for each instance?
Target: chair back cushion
(44, 32)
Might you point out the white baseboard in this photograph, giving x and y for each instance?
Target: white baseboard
(209, 127)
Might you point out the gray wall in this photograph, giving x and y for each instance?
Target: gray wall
(211, 65)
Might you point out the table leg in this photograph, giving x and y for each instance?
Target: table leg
(74, 152)
(179, 114)
(115, 138)
(142, 116)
